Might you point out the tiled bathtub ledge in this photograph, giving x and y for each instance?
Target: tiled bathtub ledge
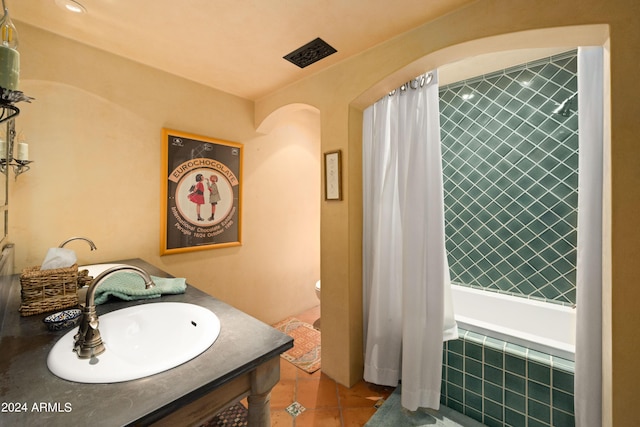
(519, 351)
(500, 383)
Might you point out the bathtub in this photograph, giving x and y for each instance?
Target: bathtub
(545, 327)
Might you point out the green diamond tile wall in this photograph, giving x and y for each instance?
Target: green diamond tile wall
(510, 176)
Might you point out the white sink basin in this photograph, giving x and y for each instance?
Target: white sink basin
(140, 341)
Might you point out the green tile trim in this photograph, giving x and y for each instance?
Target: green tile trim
(539, 357)
(474, 337)
(495, 343)
(516, 350)
(565, 365)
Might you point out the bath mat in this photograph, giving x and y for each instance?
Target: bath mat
(392, 414)
(234, 416)
(305, 353)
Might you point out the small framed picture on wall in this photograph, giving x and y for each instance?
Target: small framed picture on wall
(333, 175)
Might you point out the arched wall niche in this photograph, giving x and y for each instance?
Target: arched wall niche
(283, 114)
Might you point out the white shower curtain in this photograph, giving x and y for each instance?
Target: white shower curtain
(407, 302)
(588, 373)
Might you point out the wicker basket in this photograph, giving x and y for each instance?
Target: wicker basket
(50, 290)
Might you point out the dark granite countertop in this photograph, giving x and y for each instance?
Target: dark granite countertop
(26, 385)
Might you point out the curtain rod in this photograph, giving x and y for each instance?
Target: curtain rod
(415, 83)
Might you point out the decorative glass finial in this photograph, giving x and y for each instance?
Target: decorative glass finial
(9, 56)
(8, 30)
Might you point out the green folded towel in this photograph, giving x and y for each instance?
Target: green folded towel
(130, 286)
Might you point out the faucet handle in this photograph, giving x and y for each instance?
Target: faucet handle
(88, 342)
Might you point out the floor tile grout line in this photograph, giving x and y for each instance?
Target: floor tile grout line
(295, 396)
(339, 404)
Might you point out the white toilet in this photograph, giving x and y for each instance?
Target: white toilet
(318, 289)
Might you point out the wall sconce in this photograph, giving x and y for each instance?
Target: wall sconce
(9, 94)
(20, 163)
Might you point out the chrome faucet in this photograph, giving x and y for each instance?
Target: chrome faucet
(91, 244)
(88, 342)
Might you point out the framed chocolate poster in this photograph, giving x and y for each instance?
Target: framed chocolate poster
(202, 193)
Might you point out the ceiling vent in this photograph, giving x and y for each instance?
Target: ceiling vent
(309, 53)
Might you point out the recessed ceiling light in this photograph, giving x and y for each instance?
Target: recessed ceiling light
(71, 6)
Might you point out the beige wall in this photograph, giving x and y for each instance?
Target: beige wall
(341, 92)
(131, 103)
(94, 134)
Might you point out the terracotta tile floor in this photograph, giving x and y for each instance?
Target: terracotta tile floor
(326, 403)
